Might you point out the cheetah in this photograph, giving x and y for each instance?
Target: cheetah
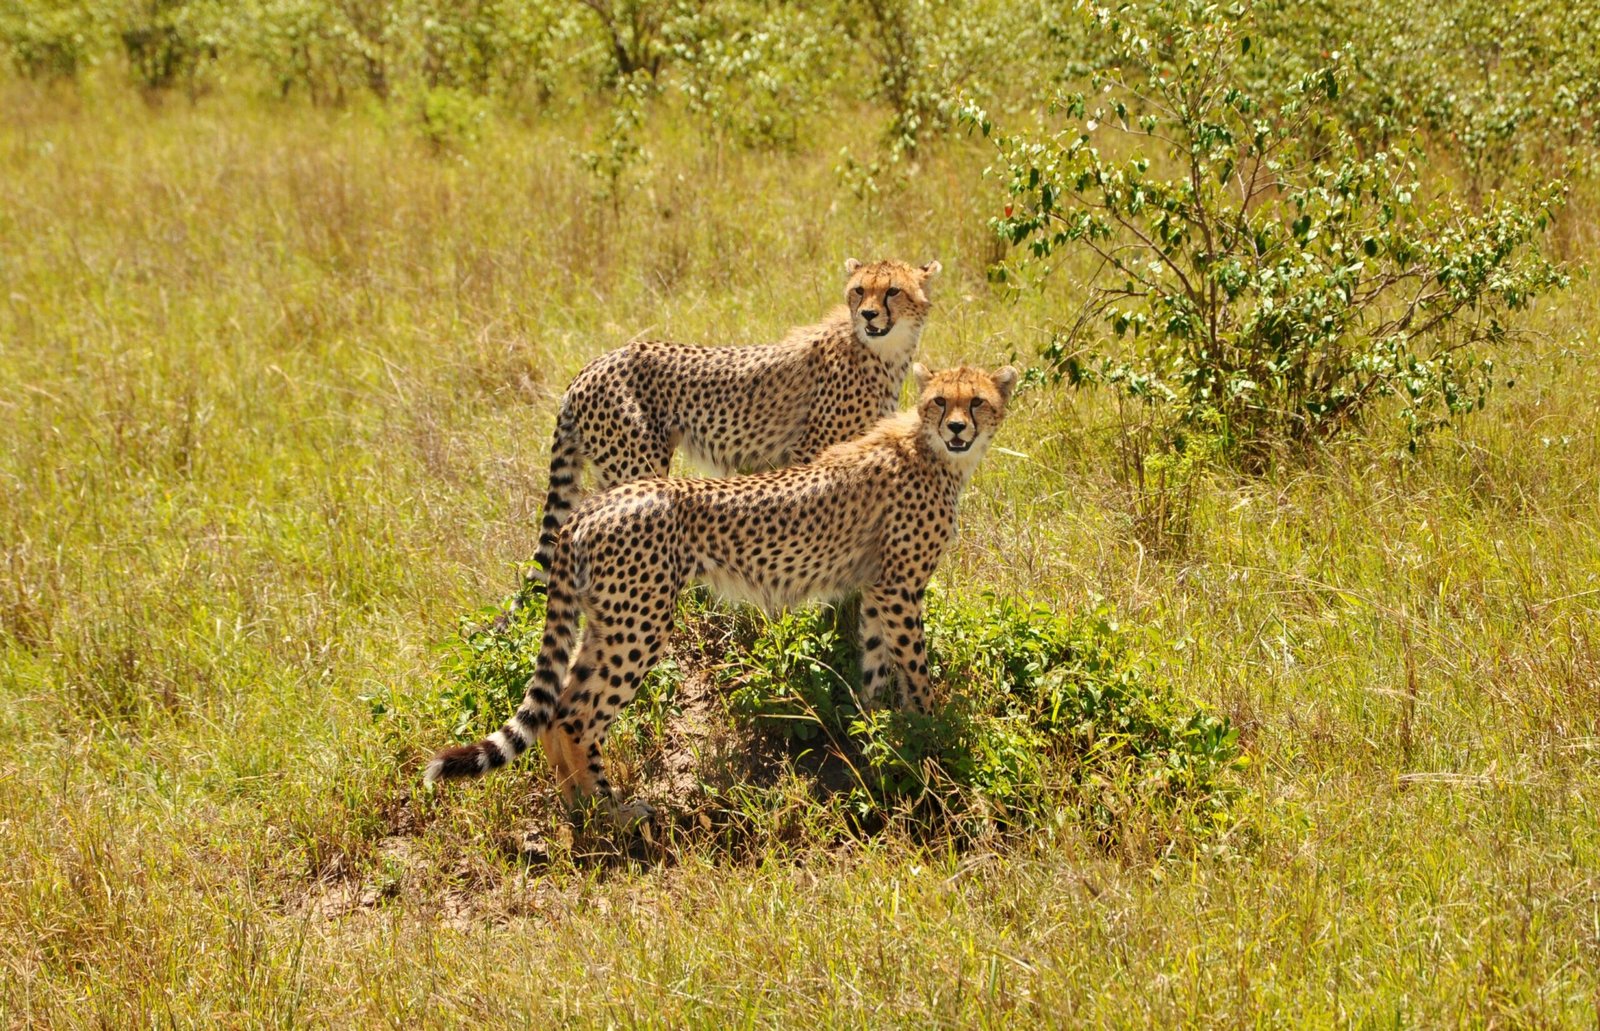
(872, 514)
(738, 409)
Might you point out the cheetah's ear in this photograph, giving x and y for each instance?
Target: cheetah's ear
(931, 269)
(850, 266)
(920, 374)
(1005, 380)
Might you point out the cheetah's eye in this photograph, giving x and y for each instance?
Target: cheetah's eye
(894, 291)
(977, 403)
(939, 401)
(858, 291)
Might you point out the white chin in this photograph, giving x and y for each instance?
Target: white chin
(965, 458)
(895, 340)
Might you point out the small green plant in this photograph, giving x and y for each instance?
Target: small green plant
(487, 664)
(799, 679)
(448, 118)
(867, 179)
(616, 163)
(1047, 713)
(644, 720)
(1160, 468)
(1046, 709)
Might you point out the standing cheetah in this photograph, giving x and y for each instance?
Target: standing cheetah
(736, 409)
(874, 514)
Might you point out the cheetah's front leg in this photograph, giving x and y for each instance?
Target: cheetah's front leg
(891, 636)
(877, 671)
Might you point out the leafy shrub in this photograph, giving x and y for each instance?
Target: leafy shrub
(485, 47)
(927, 53)
(1161, 468)
(1500, 89)
(1510, 85)
(798, 678)
(327, 48)
(168, 41)
(1046, 710)
(926, 57)
(296, 42)
(638, 35)
(1262, 272)
(755, 72)
(50, 39)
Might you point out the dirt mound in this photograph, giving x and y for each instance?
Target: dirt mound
(701, 755)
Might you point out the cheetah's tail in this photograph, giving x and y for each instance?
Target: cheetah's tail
(566, 460)
(535, 713)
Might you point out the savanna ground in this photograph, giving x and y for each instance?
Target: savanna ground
(276, 386)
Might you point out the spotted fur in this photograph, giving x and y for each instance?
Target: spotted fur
(738, 409)
(872, 514)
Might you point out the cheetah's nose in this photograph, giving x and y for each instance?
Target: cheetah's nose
(869, 314)
(957, 428)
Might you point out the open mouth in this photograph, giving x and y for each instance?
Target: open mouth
(958, 446)
(874, 332)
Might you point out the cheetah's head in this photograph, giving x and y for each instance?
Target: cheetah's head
(888, 301)
(961, 408)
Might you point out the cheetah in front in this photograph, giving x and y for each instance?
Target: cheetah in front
(873, 514)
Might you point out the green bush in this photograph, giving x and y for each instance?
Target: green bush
(755, 73)
(618, 161)
(51, 39)
(485, 47)
(638, 35)
(1047, 712)
(449, 119)
(1498, 89)
(167, 42)
(326, 48)
(798, 678)
(1254, 267)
